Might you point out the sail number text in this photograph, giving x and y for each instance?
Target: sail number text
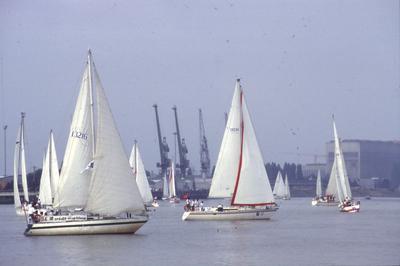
(79, 135)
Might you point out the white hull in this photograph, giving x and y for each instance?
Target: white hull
(323, 203)
(350, 209)
(229, 215)
(87, 227)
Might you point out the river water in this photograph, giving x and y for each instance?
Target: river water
(298, 234)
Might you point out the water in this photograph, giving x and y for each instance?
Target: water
(298, 234)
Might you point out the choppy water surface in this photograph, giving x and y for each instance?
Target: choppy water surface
(298, 234)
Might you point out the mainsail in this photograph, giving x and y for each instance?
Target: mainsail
(53, 167)
(318, 189)
(287, 188)
(331, 189)
(223, 181)
(252, 185)
(240, 170)
(341, 167)
(112, 189)
(279, 186)
(19, 163)
(342, 179)
(171, 181)
(50, 175)
(45, 183)
(165, 186)
(136, 163)
(75, 173)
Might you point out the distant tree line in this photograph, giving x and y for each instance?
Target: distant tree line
(292, 170)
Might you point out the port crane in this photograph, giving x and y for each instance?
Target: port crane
(163, 145)
(204, 153)
(182, 148)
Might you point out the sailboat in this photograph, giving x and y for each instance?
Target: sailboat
(346, 202)
(97, 192)
(20, 163)
(287, 195)
(136, 163)
(171, 182)
(318, 190)
(239, 173)
(279, 190)
(331, 196)
(50, 174)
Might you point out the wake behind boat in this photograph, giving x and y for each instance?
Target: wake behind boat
(96, 180)
(239, 173)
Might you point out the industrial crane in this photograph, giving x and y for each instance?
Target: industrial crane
(182, 148)
(204, 154)
(164, 149)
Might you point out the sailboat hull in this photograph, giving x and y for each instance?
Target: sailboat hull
(229, 214)
(86, 227)
(323, 203)
(350, 209)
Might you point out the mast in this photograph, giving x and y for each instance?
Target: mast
(204, 153)
(135, 157)
(5, 150)
(163, 146)
(182, 149)
(91, 100)
(50, 154)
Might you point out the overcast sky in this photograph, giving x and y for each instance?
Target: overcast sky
(299, 61)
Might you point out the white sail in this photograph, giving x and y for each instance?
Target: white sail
(23, 162)
(165, 187)
(279, 186)
(17, 199)
(136, 163)
(287, 188)
(19, 163)
(53, 168)
(45, 195)
(251, 182)
(75, 173)
(331, 189)
(318, 189)
(171, 181)
(113, 189)
(222, 184)
(341, 166)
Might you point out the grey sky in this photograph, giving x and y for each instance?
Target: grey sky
(300, 61)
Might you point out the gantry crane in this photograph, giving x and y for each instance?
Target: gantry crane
(182, 148)
(204, 154)
(164, 149)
